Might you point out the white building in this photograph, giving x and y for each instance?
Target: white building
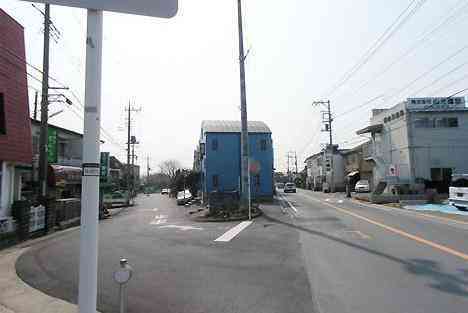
(321, 168)
(419, 139)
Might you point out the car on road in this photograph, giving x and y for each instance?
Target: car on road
(290, 187)
(458, 191)
(362, 186)
(165, 191)
(183, 197)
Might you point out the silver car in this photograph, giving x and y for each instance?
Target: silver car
(362, 186)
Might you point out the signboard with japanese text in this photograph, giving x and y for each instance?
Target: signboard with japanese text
(156, 8)
(52, 145)
(105, 160)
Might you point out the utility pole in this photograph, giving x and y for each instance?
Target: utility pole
(245, 175)
(147, 170)
(295, 160)
(133, 142)
(327, 120)
(129, 110)
(43, 140)
(35, 105)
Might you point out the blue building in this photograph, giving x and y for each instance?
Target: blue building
(219, 158)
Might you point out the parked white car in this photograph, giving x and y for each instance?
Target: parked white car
(183, 197)
(362, 186)
(458, 191)
(290, 187)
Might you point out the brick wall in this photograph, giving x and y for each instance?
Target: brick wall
(16, 145)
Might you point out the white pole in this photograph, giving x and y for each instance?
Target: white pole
(87, 294)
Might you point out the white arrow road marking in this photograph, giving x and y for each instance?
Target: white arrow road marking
(184, 228)
(159, 219)
(233, 232)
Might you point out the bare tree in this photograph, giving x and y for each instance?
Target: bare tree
(169, 168)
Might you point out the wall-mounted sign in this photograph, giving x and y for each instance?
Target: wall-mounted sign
(91, 169)
(436, 104)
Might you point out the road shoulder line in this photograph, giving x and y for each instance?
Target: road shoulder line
(233, 232)
(398, 231)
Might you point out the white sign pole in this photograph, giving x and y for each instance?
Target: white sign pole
(87, 293)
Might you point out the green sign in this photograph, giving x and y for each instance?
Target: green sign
(105, 157)
(52, 145)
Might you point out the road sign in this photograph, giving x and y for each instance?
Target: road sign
(156, 8)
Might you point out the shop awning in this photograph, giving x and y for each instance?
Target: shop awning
(352, 173)
(371, 129)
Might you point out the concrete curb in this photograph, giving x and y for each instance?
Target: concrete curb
(18, 297)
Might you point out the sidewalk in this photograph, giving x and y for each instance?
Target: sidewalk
(18, 297)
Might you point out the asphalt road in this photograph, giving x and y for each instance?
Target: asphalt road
(310, 253)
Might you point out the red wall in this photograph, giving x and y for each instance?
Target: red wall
(16, 145)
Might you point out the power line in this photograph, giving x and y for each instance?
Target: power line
(456, 68)
(450, 84)
(387, 35)
(450, 19)
(359, 106)
(433, 68)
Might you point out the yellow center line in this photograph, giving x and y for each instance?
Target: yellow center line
(403, 233)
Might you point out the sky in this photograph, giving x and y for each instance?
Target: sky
(180, 71)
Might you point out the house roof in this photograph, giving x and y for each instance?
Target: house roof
(371, 129)
(233, 127)
(38, 123)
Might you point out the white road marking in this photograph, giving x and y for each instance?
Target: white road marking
(233, 232)
(158, 222)
(159, 219)
(340, 201)
(290, 205)
(181, 227)
(328, 199)
(357, 232)
(155, 209)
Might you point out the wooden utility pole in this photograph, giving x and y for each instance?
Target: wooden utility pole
(43, 140)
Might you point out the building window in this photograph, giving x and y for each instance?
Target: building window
(452, 122)
(441, 122)
(215, 181)
(421, 122)
(214, 144)
(402, 113)
(35, 144)
(263, 144)
(257, 182)
(2, 115)
(441, 174)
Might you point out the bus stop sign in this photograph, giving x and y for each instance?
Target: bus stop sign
(156, 8)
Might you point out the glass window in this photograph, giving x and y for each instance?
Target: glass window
(452, 122)
(214, 144)
(441, 122)
(263, 144)
(450, 101)
(458, 101)
(421, 122)
(402, 113)
(2, 115)
(215, 181)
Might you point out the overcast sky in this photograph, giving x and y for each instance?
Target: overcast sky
(184, 70)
